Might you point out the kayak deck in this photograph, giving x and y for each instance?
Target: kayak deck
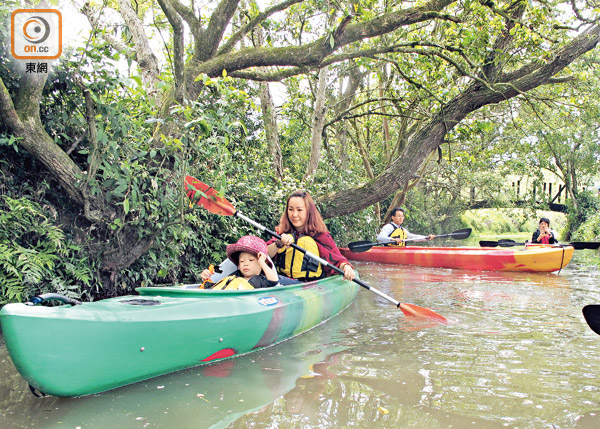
(530, 259)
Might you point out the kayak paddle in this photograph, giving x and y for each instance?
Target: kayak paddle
(591, 313)
(578, 245)
(501, 243)
(363, 246)
(220, 206)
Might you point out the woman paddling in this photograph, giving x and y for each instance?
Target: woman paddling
(301, 223)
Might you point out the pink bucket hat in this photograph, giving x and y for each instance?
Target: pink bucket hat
(248, 243)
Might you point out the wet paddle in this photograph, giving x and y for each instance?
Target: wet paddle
(363, 246)
(591, 313)
(578, 245)
(211, 201)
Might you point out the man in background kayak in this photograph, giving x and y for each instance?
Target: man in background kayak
(393, 231)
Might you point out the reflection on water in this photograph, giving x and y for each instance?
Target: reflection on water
(516, 353)
(206, 396)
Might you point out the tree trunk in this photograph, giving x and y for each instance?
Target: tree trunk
(318, 124)
(145, 57)
(271, 131)
(269, 117)
(347, 96)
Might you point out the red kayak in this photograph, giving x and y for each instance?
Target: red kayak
(529, 259)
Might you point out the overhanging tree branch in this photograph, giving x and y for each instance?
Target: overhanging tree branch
(247, 28)
(432, 134)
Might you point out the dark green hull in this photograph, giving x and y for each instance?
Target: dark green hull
(98, 346)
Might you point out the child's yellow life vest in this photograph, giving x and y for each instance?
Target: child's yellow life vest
(232, 283)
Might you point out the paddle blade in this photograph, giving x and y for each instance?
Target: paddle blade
(461, 234)
(509, 243)
(206, 196)
(360, 246)
(416, 311)
(484, 243)
(585, 245)
(591, 313)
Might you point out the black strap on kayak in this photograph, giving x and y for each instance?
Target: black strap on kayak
(52, 296)
(140, 301)
(562, 260)
(36, 392)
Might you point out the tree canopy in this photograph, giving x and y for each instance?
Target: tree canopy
(374, 92)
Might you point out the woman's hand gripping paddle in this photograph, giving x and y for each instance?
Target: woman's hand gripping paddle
(216, 204)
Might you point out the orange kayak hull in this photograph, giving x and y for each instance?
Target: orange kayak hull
(530, 259)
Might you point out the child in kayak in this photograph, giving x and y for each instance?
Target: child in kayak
(254, 270)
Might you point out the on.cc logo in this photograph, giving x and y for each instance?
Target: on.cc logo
(36, 34)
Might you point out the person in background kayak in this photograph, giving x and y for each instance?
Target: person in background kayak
(254, 271)
(301, 223)
(394, 231)
(544, 235)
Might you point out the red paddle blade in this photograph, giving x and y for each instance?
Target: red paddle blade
(416, 311)
(206, 196)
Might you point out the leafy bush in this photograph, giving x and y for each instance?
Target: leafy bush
(35, 256)
(582, 223)
(510, 221)
(588, 230)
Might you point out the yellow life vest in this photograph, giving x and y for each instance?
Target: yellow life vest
(295, 264)
(232, 283)
(399, 233)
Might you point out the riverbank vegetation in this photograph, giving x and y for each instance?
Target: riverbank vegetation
(430, 107)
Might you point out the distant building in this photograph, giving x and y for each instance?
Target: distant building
(551, 190)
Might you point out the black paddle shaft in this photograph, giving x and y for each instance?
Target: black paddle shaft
(577, 245)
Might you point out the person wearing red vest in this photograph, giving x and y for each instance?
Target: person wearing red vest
(544, 235)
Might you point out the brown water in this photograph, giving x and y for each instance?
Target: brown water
(516, 353)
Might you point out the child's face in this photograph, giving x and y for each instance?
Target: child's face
(249, 265)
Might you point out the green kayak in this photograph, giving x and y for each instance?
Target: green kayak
(77, 350)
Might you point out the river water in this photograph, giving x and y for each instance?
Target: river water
(516, 353)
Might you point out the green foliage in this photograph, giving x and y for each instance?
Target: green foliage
(510, 221)
(588, 230)
(357, 226)
(35, 255)
(139, 174)
(582, 223)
